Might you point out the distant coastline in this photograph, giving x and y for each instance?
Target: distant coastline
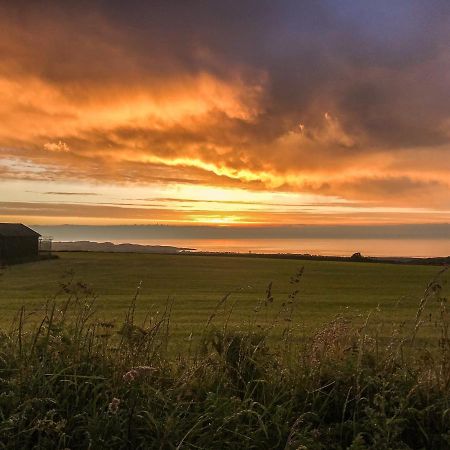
(436, 261)
(109, 247)
(90, 246)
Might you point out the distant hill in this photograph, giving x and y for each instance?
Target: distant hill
(89, 246)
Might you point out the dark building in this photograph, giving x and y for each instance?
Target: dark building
(18, 242)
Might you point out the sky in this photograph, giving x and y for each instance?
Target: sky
(239, 113)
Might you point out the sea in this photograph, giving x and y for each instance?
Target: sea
(420, 248)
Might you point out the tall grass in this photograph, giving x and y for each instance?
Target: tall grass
(72, 381)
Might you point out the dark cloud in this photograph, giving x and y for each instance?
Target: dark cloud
(380, 66)
(70, 193)
(411, 231)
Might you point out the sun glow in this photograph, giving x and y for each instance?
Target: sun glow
(220, 220)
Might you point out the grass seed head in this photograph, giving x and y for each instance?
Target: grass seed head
(113, 407)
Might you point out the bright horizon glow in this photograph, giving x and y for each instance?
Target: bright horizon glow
(89, 204)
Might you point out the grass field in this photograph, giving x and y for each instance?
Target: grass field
(71, 380)
(197, 283)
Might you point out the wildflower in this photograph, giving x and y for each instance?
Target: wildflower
(137, 372)
(113, 407)
(130, 376)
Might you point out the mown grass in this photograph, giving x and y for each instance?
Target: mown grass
(72, 380)
(196, 283)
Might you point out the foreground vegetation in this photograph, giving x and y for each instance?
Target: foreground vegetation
(71, 380)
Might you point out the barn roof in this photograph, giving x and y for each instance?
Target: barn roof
(16, 230)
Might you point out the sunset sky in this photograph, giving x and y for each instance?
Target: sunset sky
(225, 112)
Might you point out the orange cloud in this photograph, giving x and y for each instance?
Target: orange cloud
(88, 98)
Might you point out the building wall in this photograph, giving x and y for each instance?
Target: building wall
(18, 247)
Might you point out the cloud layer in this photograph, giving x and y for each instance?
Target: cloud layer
(341, 99)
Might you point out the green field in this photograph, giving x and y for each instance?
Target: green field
(197, 283)
(74, 381)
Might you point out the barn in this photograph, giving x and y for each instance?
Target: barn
(18, 242)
